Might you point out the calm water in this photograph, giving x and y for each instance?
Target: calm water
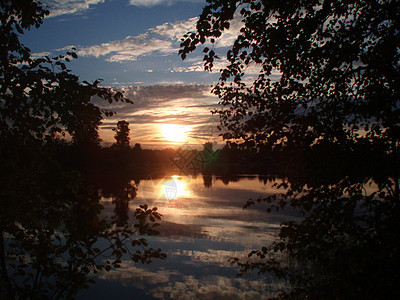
(203, 225)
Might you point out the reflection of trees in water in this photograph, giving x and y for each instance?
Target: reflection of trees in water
(226, 179)
(122, 204)
(122, 191)
(207, 181)
(53, 233)
(265, 179)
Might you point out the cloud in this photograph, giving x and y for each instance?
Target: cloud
(183, 104)
(129, 49)
(150, 3)
(222, 63)
(158, 95)
(198, 66)
(161, 98)
(40, 54)
(163, 39)
(194, 67)
(62, 7)
(176, 30)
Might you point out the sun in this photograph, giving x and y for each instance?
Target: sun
(174, 133)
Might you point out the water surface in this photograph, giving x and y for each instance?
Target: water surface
(203, 225)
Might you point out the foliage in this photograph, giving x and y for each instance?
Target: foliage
(40, 98)
(51, 228)
(122, 135)
(326, 102)
(337, 63)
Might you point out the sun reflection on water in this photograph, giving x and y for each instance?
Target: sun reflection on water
(175, 188)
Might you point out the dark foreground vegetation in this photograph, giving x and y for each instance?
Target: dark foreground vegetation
(326, 97)
(52, 231)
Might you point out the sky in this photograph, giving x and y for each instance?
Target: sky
(133, 45)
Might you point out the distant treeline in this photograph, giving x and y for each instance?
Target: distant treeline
(137, 163)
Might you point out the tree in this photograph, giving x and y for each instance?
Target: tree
(326, 99)
(40, 98)
(137, 147)
(122, 135)
(50, 217)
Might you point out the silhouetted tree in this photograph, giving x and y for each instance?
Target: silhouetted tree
(49, 216)
(326, 99)
(137, 147)
(85, 128)
(208, 156)
(122, 135)
(208, 147)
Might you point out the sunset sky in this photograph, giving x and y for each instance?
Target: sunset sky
(133, 45)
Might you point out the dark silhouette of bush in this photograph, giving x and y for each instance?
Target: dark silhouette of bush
(326, 104)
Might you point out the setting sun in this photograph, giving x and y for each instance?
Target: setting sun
(174, 133)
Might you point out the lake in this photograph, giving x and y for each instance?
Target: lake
(203, 225)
